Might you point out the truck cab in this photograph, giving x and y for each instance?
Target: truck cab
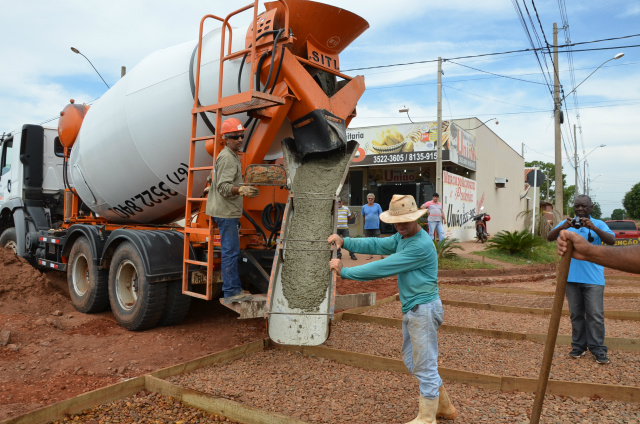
(31, 184)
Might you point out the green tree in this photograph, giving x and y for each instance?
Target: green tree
(596, 212)
(617, 214)
(568, 199)
(631, 202)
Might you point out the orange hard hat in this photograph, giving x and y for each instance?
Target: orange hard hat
(231, 125)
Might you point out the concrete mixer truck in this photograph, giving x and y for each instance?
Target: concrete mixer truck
(100, 196)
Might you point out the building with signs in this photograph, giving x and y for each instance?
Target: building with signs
(479, 170)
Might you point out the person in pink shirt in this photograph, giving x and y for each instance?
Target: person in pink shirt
(436, 217)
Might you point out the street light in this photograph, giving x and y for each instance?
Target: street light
(616, 57)
(470, 129)
(406, 110)
(73, 49)
(557, 111)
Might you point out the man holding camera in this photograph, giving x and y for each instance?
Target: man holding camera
(585, 283)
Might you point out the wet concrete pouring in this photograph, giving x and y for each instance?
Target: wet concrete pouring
(305, 274)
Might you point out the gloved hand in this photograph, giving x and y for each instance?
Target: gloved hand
(248, 191)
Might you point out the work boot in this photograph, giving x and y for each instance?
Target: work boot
(426, 412)
(446, 409)
(240, 297)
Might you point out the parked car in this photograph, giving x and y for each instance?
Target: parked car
(626, 231)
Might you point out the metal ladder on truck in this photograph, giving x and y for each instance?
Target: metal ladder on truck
(228, 105)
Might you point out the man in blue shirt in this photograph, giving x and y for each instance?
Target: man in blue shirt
(371, 213)
(585, 284)
(414, 259)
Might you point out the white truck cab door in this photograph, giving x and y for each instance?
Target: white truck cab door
(9, 184)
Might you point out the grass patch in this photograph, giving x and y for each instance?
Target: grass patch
(463, 263)
(546, 253)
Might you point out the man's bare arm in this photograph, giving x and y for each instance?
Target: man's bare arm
(625, 258)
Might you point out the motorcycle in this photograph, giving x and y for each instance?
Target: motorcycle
(481, 225)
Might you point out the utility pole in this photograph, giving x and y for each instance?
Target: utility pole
(575, 161)
(584, 179)
(439, 140)
(557, 111)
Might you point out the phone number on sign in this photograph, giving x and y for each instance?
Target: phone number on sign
(405, 157)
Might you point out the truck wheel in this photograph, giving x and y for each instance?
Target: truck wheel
(9, 239)
(136, 303)
(87, 284)
(177, 305)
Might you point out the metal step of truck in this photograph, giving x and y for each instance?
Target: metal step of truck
(253, 308)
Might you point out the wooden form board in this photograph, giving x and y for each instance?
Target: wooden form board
(619, 343)
(117, 391)
(79, 403)
(215, 405)
(488, 381)
(525, 292)
(625, 315)
(395, 297)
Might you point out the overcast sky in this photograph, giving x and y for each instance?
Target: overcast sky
(40, 73)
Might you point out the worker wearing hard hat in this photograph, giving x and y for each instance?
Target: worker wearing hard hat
(414, 259)
(224, 204)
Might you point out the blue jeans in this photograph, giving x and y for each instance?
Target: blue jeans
(436, 225)
(586, 310)
(230, 251)
(420, 346)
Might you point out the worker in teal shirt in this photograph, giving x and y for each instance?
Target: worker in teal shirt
(414, 260)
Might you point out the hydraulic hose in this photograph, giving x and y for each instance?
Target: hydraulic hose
(255, 225)
(273, 225)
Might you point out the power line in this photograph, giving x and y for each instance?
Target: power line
(487, 54)
(498, 75)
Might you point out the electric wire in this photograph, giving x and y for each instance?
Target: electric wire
(498, 75)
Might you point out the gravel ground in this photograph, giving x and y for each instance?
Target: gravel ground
(508, 321)
(144, 408)
(549, 284)
(322, 391)
(516, 358)
(530, 301)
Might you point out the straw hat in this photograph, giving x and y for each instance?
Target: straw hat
(402, 208)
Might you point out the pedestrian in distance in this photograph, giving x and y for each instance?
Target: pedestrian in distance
(371, 213)
(436, 219)
(585, 283)
(413, 258)
(344, 214)
(622, 258)
(224, 204)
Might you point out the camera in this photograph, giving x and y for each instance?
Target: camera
(576, 222)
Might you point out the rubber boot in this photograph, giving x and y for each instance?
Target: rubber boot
(426, 412)
(446, 409)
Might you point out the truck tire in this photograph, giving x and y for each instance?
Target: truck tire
(88, 285)
(177, 305)
(136, 303)
(9, 240)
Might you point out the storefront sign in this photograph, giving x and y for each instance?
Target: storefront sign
(464, 146)
(410, 143)
(459, 200)
(385, 176)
